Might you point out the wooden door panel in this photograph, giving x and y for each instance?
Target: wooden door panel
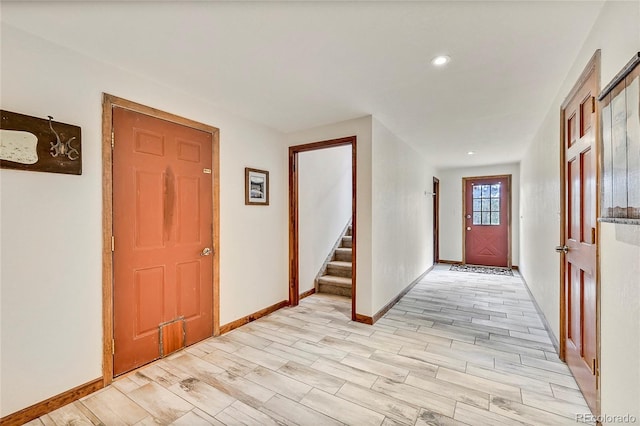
(163, 218)
(147, 300)
(188, 294)
(188, 199)
(573, 210)
(589, 347)
(588, 197)
(149, 207)
(579, 263)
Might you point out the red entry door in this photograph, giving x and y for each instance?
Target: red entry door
(162, 225)
(486, 221)
(580, 285)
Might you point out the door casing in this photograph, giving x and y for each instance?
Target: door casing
(507, 178)
(108, 103)
(294, 284)
(436, 220)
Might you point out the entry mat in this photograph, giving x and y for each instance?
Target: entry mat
(482, 269)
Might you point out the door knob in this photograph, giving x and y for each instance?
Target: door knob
(562, 249)
(206, 251)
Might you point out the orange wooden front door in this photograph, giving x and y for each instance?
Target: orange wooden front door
(579, 141)
(162, 222)
(486, 221)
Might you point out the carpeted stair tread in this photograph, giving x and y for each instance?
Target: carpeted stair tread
(336, 281)
(340, 264)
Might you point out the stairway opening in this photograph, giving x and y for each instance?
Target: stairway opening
(322, 194)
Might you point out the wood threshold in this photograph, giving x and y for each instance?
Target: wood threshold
(450, 262)
(108, 103)
(41, 408)
(307, 293)
(294, 285)
(252, 317)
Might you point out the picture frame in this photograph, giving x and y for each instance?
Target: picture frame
(256, 187)
(620, 146)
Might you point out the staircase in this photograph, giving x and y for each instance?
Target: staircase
(336, 275)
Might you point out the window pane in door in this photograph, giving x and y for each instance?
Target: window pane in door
(495, 218)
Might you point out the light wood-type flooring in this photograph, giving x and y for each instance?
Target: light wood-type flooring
(459, 348)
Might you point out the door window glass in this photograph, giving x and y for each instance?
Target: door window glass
(486, 204)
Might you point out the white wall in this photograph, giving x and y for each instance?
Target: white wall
(361, 128)
(617, 33)
(451, 208)
(402, 215)
(620, 304)
(51, 229)
(324, 207)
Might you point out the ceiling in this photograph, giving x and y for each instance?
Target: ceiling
(296, 65)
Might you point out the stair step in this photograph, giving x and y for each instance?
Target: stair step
(344, 254)
(334, 280)
(349, 231)
(347, 241)
(340, 286)
(339, 268)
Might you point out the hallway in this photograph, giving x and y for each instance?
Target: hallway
(459, 348)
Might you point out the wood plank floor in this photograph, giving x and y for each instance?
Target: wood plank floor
(459, 348)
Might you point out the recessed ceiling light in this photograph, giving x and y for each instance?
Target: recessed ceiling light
(440, 60)
(470, 153)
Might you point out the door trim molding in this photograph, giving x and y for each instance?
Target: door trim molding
(593, 66)
(294, 285)
(436, 220)
(464, 204)
(108, 103)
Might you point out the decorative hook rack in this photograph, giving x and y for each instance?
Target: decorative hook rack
(62, 148)
(28, 143)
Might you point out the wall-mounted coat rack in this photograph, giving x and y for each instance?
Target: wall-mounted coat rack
(39, 145)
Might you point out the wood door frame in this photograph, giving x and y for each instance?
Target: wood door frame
(464, 209)
(593, 66)
(108, 103)
(294, 255)
(436, 220)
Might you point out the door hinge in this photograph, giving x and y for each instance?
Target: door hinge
(113, 137)
(593, 235)
(113, 243)
(593, 104)
(113, 346)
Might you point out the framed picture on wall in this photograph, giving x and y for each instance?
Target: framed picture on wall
(256, 187)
